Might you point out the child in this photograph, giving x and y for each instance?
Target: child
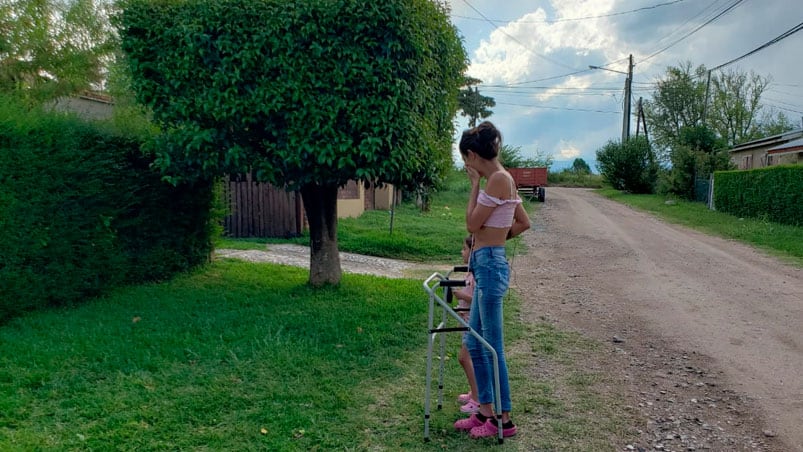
(464, 296)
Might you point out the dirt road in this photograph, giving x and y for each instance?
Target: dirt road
(710, 331)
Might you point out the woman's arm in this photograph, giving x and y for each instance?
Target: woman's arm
(498, 186)
(521, 222)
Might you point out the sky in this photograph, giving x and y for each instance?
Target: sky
(533, 58)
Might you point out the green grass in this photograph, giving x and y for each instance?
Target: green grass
(779, 240)
(208, 361)
(243, 356)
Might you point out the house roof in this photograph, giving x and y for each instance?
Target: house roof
(790, 147)
(769, 142)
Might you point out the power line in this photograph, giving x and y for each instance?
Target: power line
(775, 40)
(516, 40)
(559, 108)
(568, 19)
(720, 14)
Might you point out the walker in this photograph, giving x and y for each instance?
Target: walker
(432, 285)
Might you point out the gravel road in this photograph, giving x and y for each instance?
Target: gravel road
(707, 331)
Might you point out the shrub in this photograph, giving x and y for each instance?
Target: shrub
(629, 166)
(774, 193)
(81, 212)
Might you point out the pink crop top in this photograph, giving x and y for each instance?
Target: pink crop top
(502, 215)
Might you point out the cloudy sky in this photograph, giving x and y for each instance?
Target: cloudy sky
(533, 57)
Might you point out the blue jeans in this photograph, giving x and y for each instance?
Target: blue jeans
(491, 276)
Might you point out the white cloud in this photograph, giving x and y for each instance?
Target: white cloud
(567, 151)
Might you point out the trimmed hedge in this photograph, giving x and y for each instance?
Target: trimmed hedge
(774, 193)
(82, 211)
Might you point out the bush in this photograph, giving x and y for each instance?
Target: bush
(774, 193)
(81, 212)
(630, 166)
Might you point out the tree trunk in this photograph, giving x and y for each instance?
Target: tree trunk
(320, 203)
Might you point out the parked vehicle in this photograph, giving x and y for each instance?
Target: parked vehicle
(530, 182)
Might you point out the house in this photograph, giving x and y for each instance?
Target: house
(784, 148)
(88, 105)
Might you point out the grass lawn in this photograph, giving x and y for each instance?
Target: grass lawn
(244, 356)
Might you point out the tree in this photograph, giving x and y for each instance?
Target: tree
(310, 94)
(51, 48)
(773, 123)
(735, 105)
(472, 103)
(579, 166)
(510, 157)
(629, 166)
(678, 101)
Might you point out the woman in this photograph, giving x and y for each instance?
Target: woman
(493, 216)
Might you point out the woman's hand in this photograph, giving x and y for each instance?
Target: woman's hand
(473, 175)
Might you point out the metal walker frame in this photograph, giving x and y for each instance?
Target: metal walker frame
(432, 285)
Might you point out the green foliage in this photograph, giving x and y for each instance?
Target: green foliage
(735, 104)
(774, 193)
(732, 107)
(510, 157)
(698, 152)
(81, 211)
(52, 48)
(308, 92)
(629, 166)
(678, 101)
(568, 178)
(472, 103)
(580, 166)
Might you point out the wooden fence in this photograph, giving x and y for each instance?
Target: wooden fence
(260, 209)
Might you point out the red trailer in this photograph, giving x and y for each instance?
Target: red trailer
(530, 181)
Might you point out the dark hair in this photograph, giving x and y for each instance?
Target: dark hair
(484, 140)
(470, 241)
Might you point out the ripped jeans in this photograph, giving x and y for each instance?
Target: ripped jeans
(492, 276)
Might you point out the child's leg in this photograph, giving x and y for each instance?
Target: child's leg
(465, 360)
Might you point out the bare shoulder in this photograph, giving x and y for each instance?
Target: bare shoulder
(499, 184)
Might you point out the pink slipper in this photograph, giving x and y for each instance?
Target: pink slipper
(490, 430)
(472, 406)
(468, 423)
(464, 398)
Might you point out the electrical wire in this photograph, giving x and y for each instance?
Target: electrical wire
(720, 14)
(773, 41)
(569, 19)
(547, 107)
(519, 42)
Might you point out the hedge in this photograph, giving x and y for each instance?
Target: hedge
(82, 211)
(774, 193)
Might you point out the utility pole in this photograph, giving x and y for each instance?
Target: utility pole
(707, 89)
(628, 94)
(641, 119)
(628, 91)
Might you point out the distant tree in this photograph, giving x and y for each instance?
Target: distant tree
(629, 166)
(472, 103)
(774, 124)
(307, 93)
(678, 101)
(510, 157)
(735, 105)
(52, 48)
(579, 166)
